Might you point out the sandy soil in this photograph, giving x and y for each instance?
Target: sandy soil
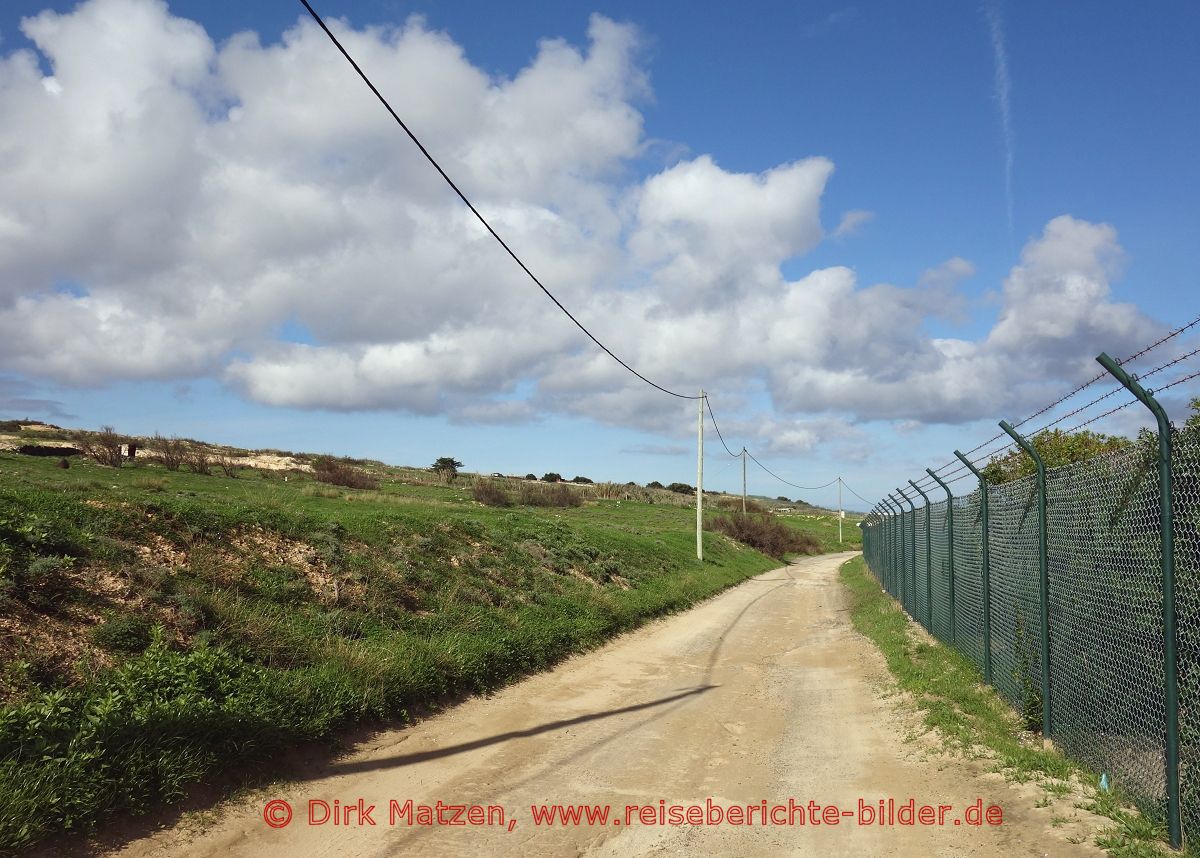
(764, 692)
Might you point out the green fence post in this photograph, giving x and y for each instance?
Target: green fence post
(1043, 570)
(928, 563)
(949, 545)
(1170, 658)
(901, 574)
(987, 590)
(912, 541)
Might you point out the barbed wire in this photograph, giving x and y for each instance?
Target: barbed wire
(1178, 381)
(1141, 353)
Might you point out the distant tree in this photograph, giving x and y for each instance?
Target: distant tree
(447, 467)
(782, 498)
(583, 481)
(655, 484)
(531, 476)
(551, 477)
(681, 488)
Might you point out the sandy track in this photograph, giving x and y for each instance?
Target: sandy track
(762, 692)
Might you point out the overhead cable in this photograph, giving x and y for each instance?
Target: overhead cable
(474, 210)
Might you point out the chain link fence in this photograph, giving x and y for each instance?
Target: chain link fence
(1108, 702)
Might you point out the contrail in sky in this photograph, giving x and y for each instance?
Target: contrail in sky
(1003, 97)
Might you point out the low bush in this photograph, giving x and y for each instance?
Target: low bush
(199, 461)
(734, 504)
(490, 493)
(681, 488)
(103, 447)
(763, 532)
(126, 633)
(551, 495)
(227, 464)
(170, 452)
(327, 469)
(552, 477)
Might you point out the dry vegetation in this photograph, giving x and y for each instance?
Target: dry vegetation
(765, 533)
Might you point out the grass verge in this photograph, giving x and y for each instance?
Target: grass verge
(156, 625)
(973, 719)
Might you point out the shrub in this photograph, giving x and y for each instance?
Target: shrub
(327, 469)
(583, 481)
(766, 534)
(127, 633)
(103, 447)
(555, 495)
(655, 484)
(531, 476)
(734, 504)
(490, 493)
(551, 477)
(681, 488)
(199, 461)
(783, 499)
(171, 451)
(227, 464)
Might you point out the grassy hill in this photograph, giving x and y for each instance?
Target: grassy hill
(156, 623)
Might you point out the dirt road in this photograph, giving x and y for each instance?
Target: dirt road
(764, 692)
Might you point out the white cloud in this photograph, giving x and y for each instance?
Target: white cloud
(201, 197)
(853, 221)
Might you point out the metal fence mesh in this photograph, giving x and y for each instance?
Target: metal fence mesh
(921, 600)
(1106, 641)
(968, 577)
(1186, 480)
(1016, 660)
(940, 571)
(1108, 701)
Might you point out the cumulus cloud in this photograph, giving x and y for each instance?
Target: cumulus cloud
(199, 197)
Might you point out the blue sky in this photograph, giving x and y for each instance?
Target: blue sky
(677, 173)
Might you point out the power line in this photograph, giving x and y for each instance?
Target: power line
(788, 482)
(853, 492)
(474, 210)
(718, 428)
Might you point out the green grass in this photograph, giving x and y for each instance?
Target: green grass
(970, 716)
(290, 609)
